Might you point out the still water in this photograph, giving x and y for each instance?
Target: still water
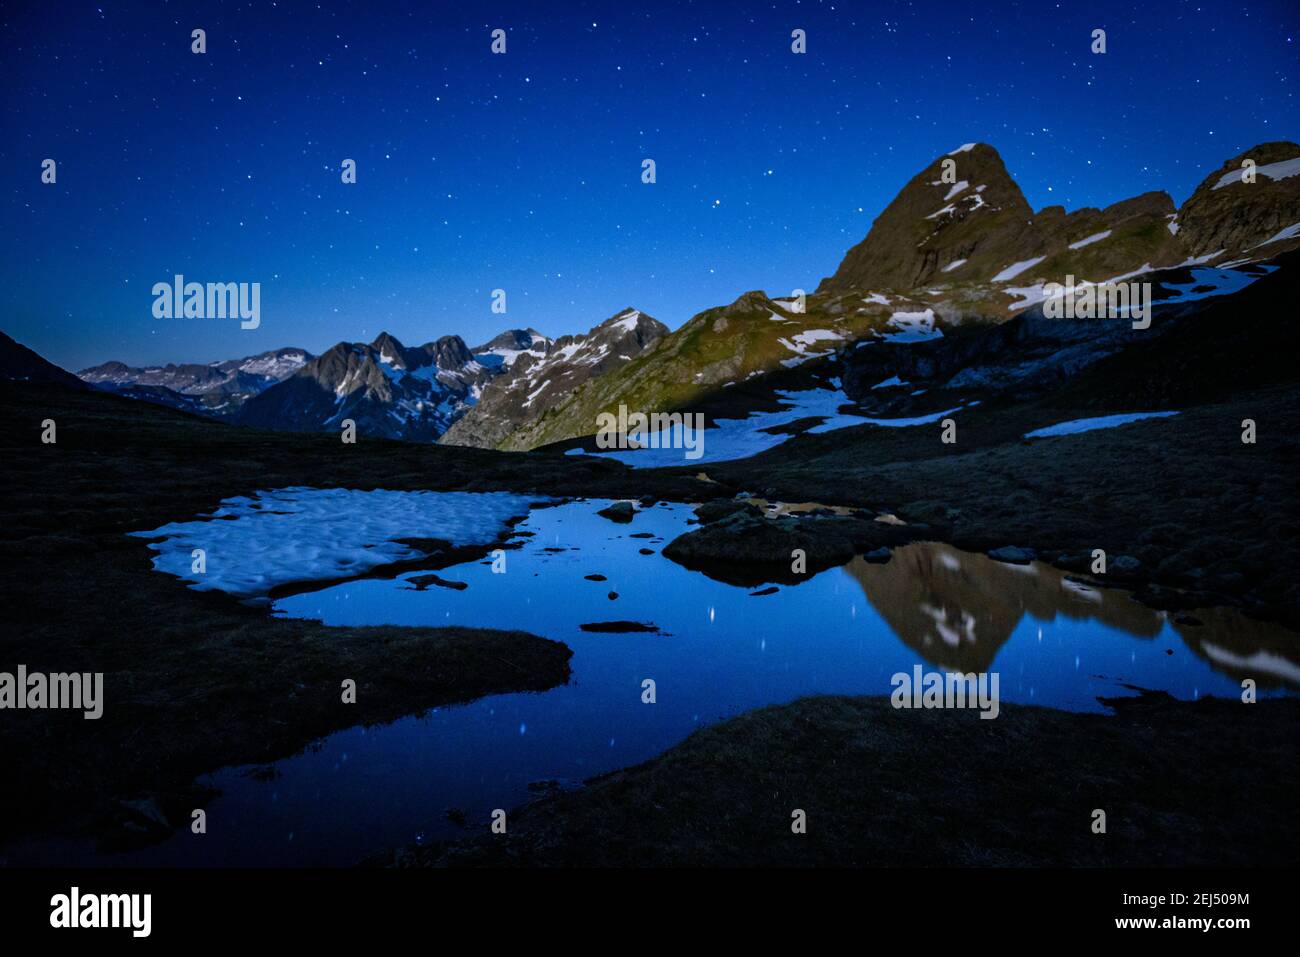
(718, 650)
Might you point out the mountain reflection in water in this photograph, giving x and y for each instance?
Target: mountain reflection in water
(957, 609)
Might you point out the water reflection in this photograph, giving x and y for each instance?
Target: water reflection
(720, 651)
(957, 609)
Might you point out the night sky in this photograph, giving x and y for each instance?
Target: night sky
(523, 171)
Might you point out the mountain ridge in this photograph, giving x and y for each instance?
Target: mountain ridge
(958, 244)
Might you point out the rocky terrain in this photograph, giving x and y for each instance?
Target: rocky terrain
(533, 386)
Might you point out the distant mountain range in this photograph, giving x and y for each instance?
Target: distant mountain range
(959, 245)
(218, 388)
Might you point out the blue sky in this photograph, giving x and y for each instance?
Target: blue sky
(523, 171)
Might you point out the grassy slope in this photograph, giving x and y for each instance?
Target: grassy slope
(196, 680)
(901, 788)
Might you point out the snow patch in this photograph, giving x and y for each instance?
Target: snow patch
(1015, 269)
(1089, 240)
(1282, 170)
(310, 534)
(1290, 232)
(912, 327)
(1201, 260)
(740, 438)
(1075, 426)
(956, 188)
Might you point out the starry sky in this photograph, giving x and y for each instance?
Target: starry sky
(522, 171)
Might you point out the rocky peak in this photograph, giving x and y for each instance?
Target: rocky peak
(448, 353)
(514, 340)
(388, 350)
(750, 302)
(629, 325)
(1238, 217)
(932, 224)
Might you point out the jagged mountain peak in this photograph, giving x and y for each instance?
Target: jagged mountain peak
(448, 353)
(981, 229)
(515, 340)
(387, 341)
(387, 388)
(962, 205)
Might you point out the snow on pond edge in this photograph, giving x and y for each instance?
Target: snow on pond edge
(252, 545)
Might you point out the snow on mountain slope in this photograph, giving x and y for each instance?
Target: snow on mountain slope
(534, 384)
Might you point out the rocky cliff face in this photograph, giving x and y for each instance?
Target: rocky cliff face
(1239, 218)
(931, 225)
(980, 229)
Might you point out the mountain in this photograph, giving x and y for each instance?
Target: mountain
(20, 363)
(980, 226)
(388, 389)
(958, 249)
(1239, 218)
(502, 351)
(534, 386)
(217, 388)
(942, 257)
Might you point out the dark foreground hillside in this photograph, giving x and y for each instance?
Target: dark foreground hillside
(1181, 784)
(197, 680)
